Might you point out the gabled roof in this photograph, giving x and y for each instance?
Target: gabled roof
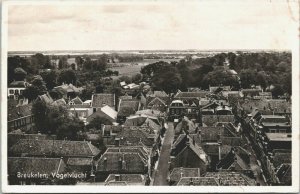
(135, 136)
(138, 120)
(18, 112)
(210, 134)
(228, 178)
(129, 179)
(80, 161)
(201, 94)
(76, 101)
(35, 165)
(150, 112)
(178, 173)
(160, 94)
(280, 106)
(211, 120)
(128, 107)
(18, 84)
(100, 100)
(54, 147)
(109, 111)
(197, 181)
(141, 150)
(131, 162)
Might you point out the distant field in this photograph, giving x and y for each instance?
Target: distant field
(129, 69)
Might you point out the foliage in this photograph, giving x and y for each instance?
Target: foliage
(50, 78)
(37, 87)
(97, 121)
(67, 76)
(20, 74)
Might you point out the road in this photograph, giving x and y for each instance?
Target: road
(161, 173)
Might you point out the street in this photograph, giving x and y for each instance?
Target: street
(161, 173)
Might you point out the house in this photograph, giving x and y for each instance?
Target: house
(16, 88)
(217, 89)
(197, 181)
(176, 110)
(186, 153)
(87, 102)
(33, 171)
(75, 101)
(20, 117)
(278, 141)
(187, 95)
(122, 160)
(178, 173)
(139, 119)
(71, 90)
(228, 178)
(263, 95)
(250, 93)
(100, 100)
(53, 148)
(135, 136)
(274, 124)
(160, 94)
(80, 165)
(127, 108)
(13, 138)
(213, 120)
(106, 112)
(126, 179)
(216, 107)
(151, 112)
(280, 107)
(82, 111)
(185, 125)
(157, 103)
(46, 98)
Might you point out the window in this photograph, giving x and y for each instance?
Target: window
(282, 131)
(16, 92)
(83, 114)
(21, 92)
(11, 91)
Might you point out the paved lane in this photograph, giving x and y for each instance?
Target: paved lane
(161, 173)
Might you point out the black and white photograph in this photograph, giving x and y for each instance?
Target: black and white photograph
(150, 95)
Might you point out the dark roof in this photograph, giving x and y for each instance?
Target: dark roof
(54, 147)
(134, 136)
(18, 84)
(197, 181)
(35, 165)
(131, 162)
(281, 157)
(76, 100)
(154, 100)
(99, 100)
(142, 151)
(228, 178)
(128, 178)
(251, 92)
(201, 94)
(280, 106)
(80, 161)
(250, 105)
(13, 138)
(178, 173)
(211, 120)
(20, 111)
(113, 128)
(211, 134)
(284, 174)
(128, 107)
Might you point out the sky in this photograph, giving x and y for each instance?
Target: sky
(152, 25)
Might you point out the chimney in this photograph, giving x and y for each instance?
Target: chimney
(117, 177)
(117, 142)
(105, 163)
(120, 164)
(191, 182)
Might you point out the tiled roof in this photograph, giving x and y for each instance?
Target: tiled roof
(99, 100)
(160, 94)
(150, 112)
(20, 111)
(59, 102)
(142, 151)
(76, 106)
(76, 100)
(211, 134)
(185, 124)
(250, 105)
(138, 120)
(54, 147)
(128, 107)
(201, 94)
(177, 173)
(280, 106)
(211, 120)
(13, 138)
(134, 136)
(281, 157)
(227, 178)
(114, 129)
(18, 84)
(80, 161)
(131, 179)
(197, 181)
(131, 162)
(34, 165)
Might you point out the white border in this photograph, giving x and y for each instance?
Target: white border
(138, 189)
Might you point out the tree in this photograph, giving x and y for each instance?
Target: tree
(50, 78)
(248, 78)
(69, 129)
(63, 62)
(97, 121)
(277, 90)
(87, 93)
(137, 78)
(20, 74)
(67, 76)
(37, 87)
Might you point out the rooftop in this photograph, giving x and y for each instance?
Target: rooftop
(100, 100)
